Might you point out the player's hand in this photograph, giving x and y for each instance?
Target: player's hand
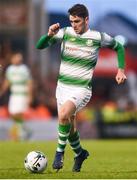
(120, 77)
(53, 29)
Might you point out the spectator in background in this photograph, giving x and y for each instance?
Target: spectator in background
(18, 79)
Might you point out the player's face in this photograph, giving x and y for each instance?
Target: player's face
(17, 59)
(79, 24)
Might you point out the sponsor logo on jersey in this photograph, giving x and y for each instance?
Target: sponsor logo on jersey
(72, 49)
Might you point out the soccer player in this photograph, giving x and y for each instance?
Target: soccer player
(79, 52)
(19, 81)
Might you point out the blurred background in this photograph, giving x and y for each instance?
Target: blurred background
(112, 111)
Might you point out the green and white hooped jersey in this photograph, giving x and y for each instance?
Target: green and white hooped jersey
(18, 77)
(79, 55)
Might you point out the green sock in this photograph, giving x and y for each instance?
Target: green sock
(63, 133)
(18, 119)
(74, 141)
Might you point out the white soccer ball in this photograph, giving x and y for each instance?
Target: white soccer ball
(35, 162)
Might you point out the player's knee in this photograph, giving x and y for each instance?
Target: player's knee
(63, 116)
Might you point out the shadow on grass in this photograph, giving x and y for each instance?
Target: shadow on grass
(63, 174)
(64, 171)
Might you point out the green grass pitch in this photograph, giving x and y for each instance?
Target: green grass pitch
(109, 159)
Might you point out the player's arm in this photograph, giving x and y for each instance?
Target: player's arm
(110, 42)
(4, 87)
(120, 76)
(30, 84)
(54, 33)
(30, 91)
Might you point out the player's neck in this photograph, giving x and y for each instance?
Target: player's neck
(85, 30)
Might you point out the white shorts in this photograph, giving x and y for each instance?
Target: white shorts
(17, 104)
(79, 96)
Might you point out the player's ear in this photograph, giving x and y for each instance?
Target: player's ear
(87, 20)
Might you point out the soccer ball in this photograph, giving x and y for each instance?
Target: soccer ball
(35, 162)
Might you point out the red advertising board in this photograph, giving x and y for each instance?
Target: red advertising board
(107, 63)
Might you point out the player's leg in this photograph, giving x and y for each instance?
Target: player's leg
(17, 125)
(18, 131)
(80, 99)
(64, 114)
(17, 106)
(74, 140)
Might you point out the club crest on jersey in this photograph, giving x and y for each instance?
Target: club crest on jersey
(89, 42)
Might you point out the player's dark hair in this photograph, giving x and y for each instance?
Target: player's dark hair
(14, 53)
(79, 10)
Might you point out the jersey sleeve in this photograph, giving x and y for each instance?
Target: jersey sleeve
(108, 41)
(46, 41)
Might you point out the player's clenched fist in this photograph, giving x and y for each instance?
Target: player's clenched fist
(120, 77)
(53, 29)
